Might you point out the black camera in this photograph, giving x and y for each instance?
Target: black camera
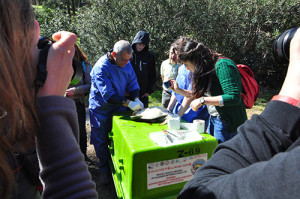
(281, 45)
(44, 44)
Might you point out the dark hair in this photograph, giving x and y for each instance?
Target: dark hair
(204, 61)
(178, 43)
(79, 54)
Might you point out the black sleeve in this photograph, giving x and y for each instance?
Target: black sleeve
(134, 94)
(117, 99)
(262, 161)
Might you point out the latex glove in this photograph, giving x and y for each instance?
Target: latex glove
(139, 101)
(135, 106)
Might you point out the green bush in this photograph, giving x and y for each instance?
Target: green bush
(243, 30)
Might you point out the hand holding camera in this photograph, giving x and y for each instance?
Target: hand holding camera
(59, 65)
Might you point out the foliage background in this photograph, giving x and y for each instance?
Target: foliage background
(243, 30)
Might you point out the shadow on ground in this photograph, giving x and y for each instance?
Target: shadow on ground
(104, 192)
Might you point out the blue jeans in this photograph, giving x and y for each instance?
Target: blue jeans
(218, 128)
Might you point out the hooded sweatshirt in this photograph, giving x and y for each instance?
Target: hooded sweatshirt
(143, 64)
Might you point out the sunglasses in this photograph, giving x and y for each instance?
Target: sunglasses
(124, 60)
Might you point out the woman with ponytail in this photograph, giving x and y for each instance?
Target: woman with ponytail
(216, 84)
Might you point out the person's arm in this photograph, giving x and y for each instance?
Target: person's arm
(262, 160)
(184, 106)
(175, 88)
(64, 173)
(162, 71)
(247, 165)
(213, 100)
(172, 102)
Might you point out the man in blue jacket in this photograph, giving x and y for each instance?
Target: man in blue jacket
(143, 64)
(111, 77)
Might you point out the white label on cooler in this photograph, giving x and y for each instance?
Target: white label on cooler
(173, 171)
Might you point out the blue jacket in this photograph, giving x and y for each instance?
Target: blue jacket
(107, 80)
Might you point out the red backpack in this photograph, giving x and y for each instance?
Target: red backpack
(250, 86)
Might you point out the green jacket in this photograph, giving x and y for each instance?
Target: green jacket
(227, 82)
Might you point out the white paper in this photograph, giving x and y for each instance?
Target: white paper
(183, 136)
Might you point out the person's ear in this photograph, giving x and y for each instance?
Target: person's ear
(35, 40)
(37, 29)
(114, 53)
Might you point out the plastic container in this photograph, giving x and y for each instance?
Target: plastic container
(143, 169)
(174, 122)
(198, 125)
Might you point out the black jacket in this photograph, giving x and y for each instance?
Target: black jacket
(143, 64)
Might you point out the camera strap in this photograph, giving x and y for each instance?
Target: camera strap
(42, 67)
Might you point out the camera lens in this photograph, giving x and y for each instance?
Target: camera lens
(281, 45)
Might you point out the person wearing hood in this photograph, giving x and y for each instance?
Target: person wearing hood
(143, 64)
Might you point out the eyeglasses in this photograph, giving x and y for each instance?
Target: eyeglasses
(124, 60)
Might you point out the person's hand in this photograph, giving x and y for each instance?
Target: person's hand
(291, 85)
(59, 64)
(196, 104)
(135, 106)
(145, 95)
(174, 85)
(138, 101)
(70, 92)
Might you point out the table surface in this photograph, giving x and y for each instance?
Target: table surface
(137, 133)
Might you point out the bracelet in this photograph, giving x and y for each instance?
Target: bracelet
(221, 102)
(286, 99)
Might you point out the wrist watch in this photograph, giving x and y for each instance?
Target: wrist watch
(202, 100)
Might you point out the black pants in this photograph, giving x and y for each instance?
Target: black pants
(145, 101)
(82, 130)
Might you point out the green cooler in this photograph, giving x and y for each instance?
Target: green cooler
(143, 168)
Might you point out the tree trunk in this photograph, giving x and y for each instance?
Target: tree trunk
(73, 7)
(68, 7)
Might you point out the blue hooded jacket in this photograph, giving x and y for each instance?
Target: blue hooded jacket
(107, 80)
